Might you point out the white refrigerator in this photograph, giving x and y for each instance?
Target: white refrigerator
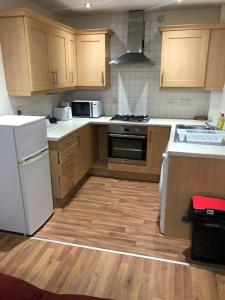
(25, 180)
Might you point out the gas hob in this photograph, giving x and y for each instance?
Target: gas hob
(131, 118)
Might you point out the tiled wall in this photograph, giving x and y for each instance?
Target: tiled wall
(217, 105)
(135, 89)
(35, 105)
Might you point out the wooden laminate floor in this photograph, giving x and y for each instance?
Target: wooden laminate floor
(67, 269)
(115, 214)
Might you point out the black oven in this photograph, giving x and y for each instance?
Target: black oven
(127, 144)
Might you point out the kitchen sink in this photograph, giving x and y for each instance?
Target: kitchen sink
(200, 134)
(202, 127)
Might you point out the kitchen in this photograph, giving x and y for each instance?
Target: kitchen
(103, 170)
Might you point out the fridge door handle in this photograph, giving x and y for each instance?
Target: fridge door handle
(33, 155)
(34, 158)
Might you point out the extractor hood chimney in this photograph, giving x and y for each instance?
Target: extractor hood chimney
(135, 41)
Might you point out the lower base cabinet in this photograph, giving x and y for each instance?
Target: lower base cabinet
(70, 160)
(158, 138)
(72, 157)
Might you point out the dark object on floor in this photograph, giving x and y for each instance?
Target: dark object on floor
(208, 228)
(12, 288)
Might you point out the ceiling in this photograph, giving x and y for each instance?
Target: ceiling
(74, 7)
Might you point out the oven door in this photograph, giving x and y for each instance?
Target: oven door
(82, 109)
(127, 148)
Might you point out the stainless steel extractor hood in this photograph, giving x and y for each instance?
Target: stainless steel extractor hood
(135, 41)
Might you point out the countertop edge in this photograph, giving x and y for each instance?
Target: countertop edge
(173, 148)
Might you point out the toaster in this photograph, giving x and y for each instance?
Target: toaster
(62, 113)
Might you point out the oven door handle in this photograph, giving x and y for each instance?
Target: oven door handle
(129, 136)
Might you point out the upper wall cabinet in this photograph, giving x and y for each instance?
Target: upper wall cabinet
(93, 58)
(58, 49)
(184, 56)
(72, 60)
(40, 55)
(35, 52)
(215, 75)
(193, 56)
(38, 62)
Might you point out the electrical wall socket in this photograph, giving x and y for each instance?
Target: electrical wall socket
(172, 101)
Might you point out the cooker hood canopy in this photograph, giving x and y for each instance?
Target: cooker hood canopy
(135, 41)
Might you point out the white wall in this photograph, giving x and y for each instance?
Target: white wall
(222, 14)
(192, 16)
(38, 105)
(135, 89)
(217, 99)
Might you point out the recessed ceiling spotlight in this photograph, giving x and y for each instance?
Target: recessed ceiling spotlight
(179, 0)
(87, 5)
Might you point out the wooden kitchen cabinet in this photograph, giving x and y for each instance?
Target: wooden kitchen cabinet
(70, 160)
(58, 49)
(158, 138)
(192, 56)
(72, 60)
(93, 59)
(184, 58)
(40, 54)
(35, 52)
(85, 152)
(37, 41)
(215, 75)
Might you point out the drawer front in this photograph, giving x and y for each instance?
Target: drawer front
(67, 142)
(69, 176)
(68, 155)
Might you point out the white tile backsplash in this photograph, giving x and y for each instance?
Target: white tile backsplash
(40, 105)
(135, 88)
(217, 105)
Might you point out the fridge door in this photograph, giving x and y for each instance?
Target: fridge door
(11, 203)
(36, 190)
(30, 139)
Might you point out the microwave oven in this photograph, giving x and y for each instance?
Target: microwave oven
(87, 108)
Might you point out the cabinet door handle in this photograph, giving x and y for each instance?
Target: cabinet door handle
(162, 78)
(53, 77)
(56, 75)
(71, 73)
(103, 79)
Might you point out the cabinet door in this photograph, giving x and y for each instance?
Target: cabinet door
(158, 138)
(91, 56)
(184, 57)
(58, 43)
(72, 60)
(215, 76)
(85, 153)
(38, 54)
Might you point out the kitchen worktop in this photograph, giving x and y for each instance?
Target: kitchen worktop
(64, 128)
